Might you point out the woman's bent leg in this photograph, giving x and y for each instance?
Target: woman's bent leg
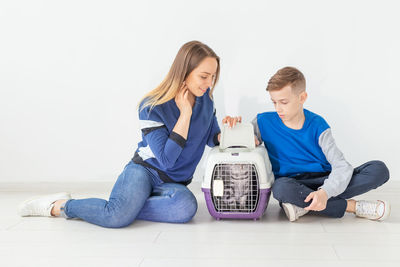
(127, 198)
(169, 202)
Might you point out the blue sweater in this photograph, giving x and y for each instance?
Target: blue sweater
(174, 158)
(294, 151)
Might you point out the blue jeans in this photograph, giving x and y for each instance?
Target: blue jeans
(138, 194)
(294, 190)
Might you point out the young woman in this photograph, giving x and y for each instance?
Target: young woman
(177, 120)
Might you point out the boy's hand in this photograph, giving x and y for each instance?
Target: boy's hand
(256, 141)
(319, 200)
(231, 121)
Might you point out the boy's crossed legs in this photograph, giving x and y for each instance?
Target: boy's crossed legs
(292, 191)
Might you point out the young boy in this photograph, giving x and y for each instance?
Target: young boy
(310, 171)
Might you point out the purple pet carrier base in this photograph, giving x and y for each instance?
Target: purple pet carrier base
(262, 205)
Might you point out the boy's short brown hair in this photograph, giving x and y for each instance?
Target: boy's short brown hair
(287, 76)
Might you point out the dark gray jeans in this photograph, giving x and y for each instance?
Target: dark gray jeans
(294, 190)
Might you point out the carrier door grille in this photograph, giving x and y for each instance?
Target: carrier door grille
(240, 187)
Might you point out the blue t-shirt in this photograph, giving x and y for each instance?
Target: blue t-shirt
(174, 158)
(291, 151)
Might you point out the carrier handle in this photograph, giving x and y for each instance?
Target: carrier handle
(242, 135)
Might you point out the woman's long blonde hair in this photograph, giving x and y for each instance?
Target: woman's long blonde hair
(188, 58)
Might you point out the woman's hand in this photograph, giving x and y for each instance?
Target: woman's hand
(182, 100)
(231, 121)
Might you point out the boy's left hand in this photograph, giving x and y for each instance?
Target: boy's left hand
(319, 200)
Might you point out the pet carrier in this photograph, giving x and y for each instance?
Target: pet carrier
(238, 176)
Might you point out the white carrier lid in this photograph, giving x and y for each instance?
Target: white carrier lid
(241, 135)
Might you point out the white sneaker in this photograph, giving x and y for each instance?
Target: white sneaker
(377, 210)
(40, 205)
(293, 212)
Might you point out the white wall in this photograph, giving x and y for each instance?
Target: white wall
(72, 72)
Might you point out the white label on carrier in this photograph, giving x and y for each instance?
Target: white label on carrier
(218, 188)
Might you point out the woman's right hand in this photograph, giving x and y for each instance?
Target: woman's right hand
(231, 121)
(182, 100)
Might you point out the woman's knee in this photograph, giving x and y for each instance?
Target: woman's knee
(185, 206)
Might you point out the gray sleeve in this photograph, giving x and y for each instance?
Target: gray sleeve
(342, 171)
(256, 130)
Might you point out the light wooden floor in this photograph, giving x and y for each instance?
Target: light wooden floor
(272, 241)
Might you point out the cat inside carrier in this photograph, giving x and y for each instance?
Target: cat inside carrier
(238, 177)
